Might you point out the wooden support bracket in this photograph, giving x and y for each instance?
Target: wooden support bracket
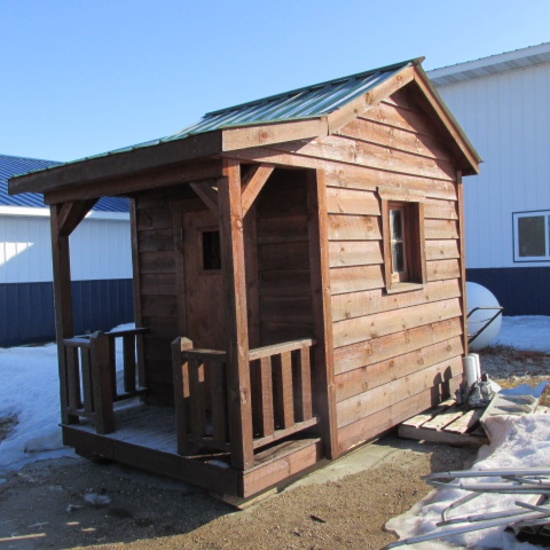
(253, 183)
(71, 213)
(207, 194)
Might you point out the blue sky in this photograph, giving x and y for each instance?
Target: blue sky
(83, 77)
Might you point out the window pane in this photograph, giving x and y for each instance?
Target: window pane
(211, 252)
(398, 258)
(531, 236)
(396, 224)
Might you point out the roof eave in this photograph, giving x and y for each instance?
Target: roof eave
(115, 165)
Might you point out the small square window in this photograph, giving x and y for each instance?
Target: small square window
(403, 235)
(211, 251)
(531, 236)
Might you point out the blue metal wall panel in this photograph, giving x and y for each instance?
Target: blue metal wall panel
(27, 309)
(520, 290)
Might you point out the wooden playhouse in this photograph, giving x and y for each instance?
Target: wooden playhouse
(298, 281)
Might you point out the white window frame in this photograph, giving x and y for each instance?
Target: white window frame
(516, 216)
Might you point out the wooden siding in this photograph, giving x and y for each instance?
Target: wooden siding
(285, 306)
(156, 286)
(394, 354)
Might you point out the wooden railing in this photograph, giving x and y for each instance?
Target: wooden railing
(89, 375)
(281, 394)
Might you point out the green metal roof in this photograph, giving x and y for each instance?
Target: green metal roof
(303, 103)
(308, 102)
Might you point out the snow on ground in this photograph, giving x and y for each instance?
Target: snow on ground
(29, 390)
(528, 332)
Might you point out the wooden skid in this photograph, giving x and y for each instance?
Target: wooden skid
(446, 423)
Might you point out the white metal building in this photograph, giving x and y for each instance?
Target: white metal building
(100, 263)
(503, 104)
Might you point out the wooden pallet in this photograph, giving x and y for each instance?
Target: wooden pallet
(446, 423)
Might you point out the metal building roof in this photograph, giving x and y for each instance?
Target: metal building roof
(493, 64)
(14, 166)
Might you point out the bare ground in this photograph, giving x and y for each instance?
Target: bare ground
(44, 505)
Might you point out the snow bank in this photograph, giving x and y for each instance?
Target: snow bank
(516, 442)
(30, 391)
(526, 332)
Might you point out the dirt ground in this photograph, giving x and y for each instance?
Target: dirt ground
(72, 503)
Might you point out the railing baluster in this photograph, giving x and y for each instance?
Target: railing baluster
(266, 393)
(196, 391)
(301, 367)
(73, 379)
(88, 393)
(287, 389)
(112, 362)
(129, 354)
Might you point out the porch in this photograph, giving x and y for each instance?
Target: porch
(107, 414)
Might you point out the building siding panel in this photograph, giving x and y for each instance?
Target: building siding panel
(27, 312)
(504, 116)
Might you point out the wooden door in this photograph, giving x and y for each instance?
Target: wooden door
(203, 280)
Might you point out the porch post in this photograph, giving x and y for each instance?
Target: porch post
(63, 303)
(64, 218)
(324, 392)
(236, 326)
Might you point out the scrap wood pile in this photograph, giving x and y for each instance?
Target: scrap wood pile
(529, 518)
(462, 421)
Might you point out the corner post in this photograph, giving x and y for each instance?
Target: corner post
(63, 303)
(236, 325)
(102, 381)
(462, 260)
(322, 353)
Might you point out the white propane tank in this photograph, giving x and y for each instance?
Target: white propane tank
(480, 321)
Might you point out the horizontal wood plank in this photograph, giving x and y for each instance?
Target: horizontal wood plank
(158, 284)
(443, 269)
(360, 329)
(156, 240)
(354, 253)
(362, 405)
(440, 229)
(350, 228)
(378, 349)
(356, 278)
(373, 425)
(282, 255)
(352, 201)
(360, 380)
(157, 262)
(442, 250)
(373, 131)
(357, 304)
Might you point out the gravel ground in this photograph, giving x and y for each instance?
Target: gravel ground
(71, 503)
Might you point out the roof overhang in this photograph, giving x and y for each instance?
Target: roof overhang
(494, 64)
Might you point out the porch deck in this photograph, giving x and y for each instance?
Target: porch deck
(146, 437)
